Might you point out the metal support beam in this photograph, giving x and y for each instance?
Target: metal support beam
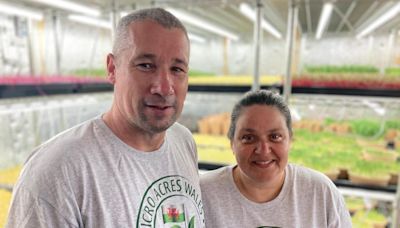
(343, 18)
(366, 14)
(308, 15)
(257, 47)
(396, 206)
(389, 51)
(30, 48)
(346, 15)
(370, 49)
(292, 24)
(225, 69)
(114, 16)
(57, 50)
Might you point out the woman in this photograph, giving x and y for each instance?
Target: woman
(263, 190)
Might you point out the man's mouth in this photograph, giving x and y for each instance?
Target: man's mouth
(159, 107)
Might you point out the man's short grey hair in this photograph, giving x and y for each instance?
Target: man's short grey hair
(260, 97)
(159, 15)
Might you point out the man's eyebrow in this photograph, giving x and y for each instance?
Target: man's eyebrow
(180, 61)
(152, 57)
(142, 57)
(145, 56)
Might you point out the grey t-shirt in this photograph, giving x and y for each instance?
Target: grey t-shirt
(87, 177)
(308, 199)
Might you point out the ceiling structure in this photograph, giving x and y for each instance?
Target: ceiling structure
(348, 17)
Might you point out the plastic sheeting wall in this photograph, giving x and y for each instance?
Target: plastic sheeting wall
(83, 46)
(28, 122)
(348, 50)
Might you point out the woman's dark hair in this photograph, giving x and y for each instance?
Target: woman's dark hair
(260, 97)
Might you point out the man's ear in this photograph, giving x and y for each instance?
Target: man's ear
(111, 68)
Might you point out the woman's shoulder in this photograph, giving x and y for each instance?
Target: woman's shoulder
(214, 177)
(309, 177)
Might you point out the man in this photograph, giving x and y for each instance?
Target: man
(133, 166)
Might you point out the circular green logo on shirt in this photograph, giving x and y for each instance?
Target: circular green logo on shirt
(171, 201)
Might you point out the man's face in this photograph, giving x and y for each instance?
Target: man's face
(151, 76)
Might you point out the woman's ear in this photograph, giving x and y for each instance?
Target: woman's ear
(290, 142)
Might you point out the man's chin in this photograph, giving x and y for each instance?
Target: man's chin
(157, 123)
(160, 127)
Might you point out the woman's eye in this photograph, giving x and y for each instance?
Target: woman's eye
(276, 137)
(247, 138)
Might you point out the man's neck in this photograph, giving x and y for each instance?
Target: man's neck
(131, 134)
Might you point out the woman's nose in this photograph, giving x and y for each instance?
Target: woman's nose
(263, 147)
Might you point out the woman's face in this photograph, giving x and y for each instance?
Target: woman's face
(261, 144)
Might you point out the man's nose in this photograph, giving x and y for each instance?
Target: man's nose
(163, 84)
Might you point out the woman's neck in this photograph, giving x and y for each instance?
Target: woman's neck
(257, 192)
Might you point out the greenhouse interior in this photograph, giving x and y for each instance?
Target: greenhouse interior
(336, 63)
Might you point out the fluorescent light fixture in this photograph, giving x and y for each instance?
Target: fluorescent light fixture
(376, 107)
(324, 19)
(190, 19)
(90, 21)
(295, 114)
(196, 38)
(123, 13)
(392, 12)
(19, 11)
(70, 6)
(246, 10)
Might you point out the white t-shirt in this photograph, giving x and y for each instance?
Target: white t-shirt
(88, 177)
(308, 199)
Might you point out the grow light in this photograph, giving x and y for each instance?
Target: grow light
(246, 10)
(70, 6)
(193, 20)
(324, 19)
(19, 11)
(90, 21)
(196, 38)
(376, 107)
(392, 12)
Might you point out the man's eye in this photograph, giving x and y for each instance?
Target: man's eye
(145, 66)
(178, 70)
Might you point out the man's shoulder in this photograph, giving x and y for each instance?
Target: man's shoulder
(179, 133)
(65, 145)
(73, 137)
(58, 156)
(178, 128)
